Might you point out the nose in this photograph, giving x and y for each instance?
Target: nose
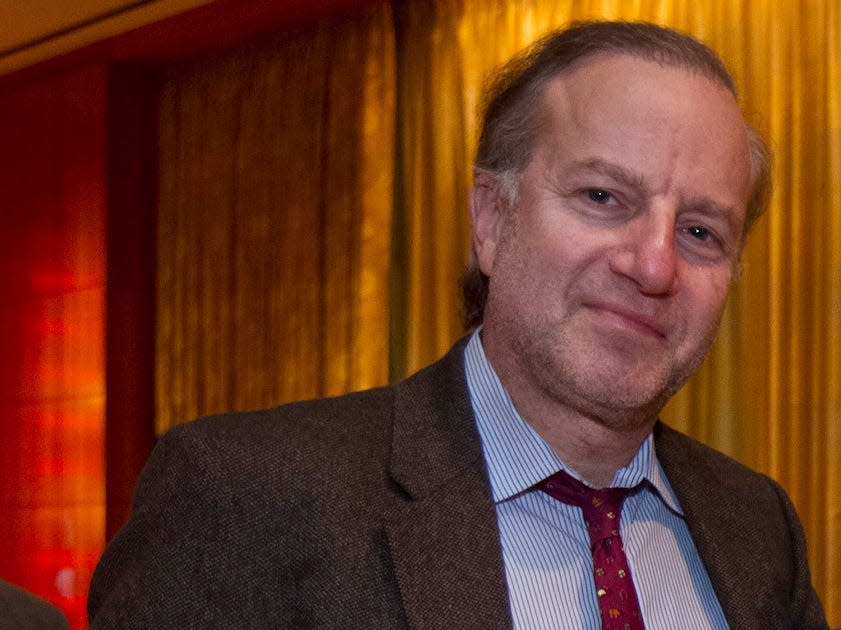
(649, 257)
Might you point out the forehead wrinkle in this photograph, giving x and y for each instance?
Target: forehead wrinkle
(617, 172)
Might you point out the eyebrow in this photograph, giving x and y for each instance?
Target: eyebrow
(631, 178)
(614, 171)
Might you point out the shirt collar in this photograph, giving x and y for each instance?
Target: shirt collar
(517, 457)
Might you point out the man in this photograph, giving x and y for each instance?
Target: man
(615, 182)
(20, 610)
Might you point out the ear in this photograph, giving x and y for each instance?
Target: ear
(486, 211)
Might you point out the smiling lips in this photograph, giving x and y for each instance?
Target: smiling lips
(623, 317)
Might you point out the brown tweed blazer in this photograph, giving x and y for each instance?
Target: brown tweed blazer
(373, 511)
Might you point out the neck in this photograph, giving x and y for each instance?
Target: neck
(595, 442)
(592, 450)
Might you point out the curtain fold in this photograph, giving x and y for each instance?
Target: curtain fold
(276, 188)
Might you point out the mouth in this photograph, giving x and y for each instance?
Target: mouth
(621, 317)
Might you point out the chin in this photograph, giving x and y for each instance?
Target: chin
(630, 403)
(618, 399)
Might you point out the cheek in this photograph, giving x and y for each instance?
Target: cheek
(545, 253)
(704, 305)
(527, 276)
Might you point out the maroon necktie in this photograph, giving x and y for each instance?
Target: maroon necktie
(618, 602)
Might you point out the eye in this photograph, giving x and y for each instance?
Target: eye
(599, 196)
(704, 243)
(700, 233)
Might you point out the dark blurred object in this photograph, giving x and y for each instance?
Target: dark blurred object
(20, 610)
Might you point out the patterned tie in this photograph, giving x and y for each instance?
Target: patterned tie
(618, 602)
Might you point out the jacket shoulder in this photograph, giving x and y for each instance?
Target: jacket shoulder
(322, 422)
(263, 506)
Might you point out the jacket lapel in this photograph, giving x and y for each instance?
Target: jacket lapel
(442, 532)
(724, 531)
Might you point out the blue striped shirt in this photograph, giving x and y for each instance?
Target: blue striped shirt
(545, 546)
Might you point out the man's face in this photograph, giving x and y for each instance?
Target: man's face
(609, 274)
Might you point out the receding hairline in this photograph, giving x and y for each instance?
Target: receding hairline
(646, 41)
(712, 81)
(648, 56)
(521, 82)
(542, 106)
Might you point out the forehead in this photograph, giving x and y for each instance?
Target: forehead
(623, 81)
(664, 122)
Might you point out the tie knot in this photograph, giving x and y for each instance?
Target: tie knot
(602, 508)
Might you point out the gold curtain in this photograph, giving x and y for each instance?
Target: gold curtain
(275, 195)
(770, 392)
